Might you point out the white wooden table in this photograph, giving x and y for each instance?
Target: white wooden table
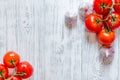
(36, 30)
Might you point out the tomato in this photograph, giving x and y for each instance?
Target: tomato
(93, 23)
(101, 6)
(114, 20)
(25, 69)
(106, 37)
(11, 59)
(16, 78)
(117, 6)
(3, 72)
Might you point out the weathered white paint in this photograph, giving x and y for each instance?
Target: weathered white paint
(36, 30)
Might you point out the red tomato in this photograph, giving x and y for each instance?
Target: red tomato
(94, 23)
(3, 71)
(16, 78)
(114, 20)
(117, 6)
(25, 69)
(106, 37)
(11, 59)
(101, 6)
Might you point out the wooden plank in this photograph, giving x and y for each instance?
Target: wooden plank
(26, 33)
(3, 20)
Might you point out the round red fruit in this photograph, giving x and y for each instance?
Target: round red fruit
(16, 78)
(3, 72)
(24, 69)
(11, 59)
(114, 20)
(102, 6)
(94, 23)
(106, 37)
(117, 6)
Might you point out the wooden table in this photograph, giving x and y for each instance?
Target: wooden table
(36, 30)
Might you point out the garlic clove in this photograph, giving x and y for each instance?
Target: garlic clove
(85, 11)
(106, 55)
(70, 20)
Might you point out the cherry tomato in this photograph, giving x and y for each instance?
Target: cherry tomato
(3, 72)
(102, 6)
(114, 20)
(117, 6)
(25, 69)
(94, 23)
(11, 59)
(16, 78)
(106, 37)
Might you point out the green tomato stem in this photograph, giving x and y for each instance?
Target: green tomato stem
(2, 75)
(20, 74)
(110, 12)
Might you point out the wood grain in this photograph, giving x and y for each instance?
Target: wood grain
(36, 30)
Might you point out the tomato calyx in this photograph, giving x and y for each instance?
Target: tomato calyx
(113, 19)
(2, 74)
(98, 21)
(103, 6)
(12, 62)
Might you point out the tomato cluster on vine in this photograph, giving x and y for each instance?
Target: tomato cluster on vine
(20, 69)
(104, 20)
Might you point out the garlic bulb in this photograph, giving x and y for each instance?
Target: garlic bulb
(70, 20)
(106, 55)
(85, 11)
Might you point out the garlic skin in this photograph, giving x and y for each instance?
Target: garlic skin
(70, 20)
(85, 11)
(106, 55)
